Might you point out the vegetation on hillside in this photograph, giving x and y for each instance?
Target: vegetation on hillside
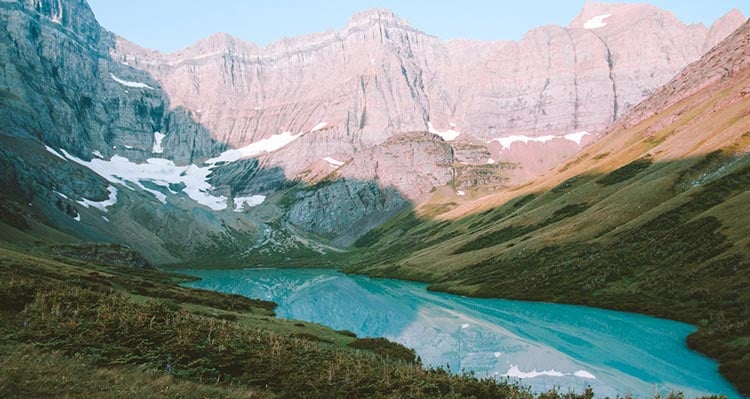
(77, 329)
(684, 257)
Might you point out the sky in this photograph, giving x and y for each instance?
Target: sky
(169, 25)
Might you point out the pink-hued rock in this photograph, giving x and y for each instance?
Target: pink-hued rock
(413, 163)
(723, 27)
(379, 77)
(712, 70)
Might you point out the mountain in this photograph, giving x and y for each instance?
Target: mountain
(379, 77)
(228, 149)
(651, 218)
(104, 141)
(386, 149)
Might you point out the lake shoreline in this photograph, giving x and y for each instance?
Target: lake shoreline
(426, 287)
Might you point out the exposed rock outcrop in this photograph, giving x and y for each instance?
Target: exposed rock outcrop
(106, 141)
(379, 77)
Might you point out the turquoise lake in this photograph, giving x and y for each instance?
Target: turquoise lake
(543, 345)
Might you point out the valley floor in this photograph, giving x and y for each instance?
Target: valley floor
(72, 328)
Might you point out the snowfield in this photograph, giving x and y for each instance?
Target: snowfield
(163, 173)
(100, 205)
(507, 141)
(333, 162)
(447, 135)
(270, 144)
(128, 83)
(596, 22)
(158, 138)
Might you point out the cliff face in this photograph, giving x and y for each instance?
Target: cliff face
(379, 77)
(69, 114)
(643, 219)
(60, 86)
(229, 147)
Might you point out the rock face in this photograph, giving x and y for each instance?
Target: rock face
(228, 148)
(379, 77)
(414, 163)
(723, 63)
(344, 210)
(59, 88)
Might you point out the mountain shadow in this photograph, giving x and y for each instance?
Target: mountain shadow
(69, 107)
(661, 238)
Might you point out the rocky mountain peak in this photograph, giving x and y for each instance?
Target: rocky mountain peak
(720, 65)
(595, 15)
(217, 43)
(723, 27)
(74, 15)
(377, 16)
(733, 15)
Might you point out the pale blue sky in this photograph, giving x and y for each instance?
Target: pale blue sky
(168, 25)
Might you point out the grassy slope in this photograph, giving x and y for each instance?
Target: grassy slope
(652, 218)
(76, 329)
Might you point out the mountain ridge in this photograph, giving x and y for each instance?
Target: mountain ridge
(417, 87)
(650, 218)
(328, 123)
(232, 162)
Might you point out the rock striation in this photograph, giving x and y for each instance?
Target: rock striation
(229, 148)
(379, 77)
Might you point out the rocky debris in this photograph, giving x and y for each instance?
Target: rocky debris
(341, 211)
(476, 167)
(719, 65)
(413, 163)
(246, 177)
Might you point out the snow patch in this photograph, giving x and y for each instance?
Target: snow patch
(77, 218)
(160, 172)
(158, 138)
(61, 194)
(465, 326)
(333, 162)
(163, 173)
(491, 161)
(58, 16)
(97, 154)
(498, 354)
(55, 153)
(101, 205)
(319, 126)
(517, 373)
(584, 374)
(507, 142)
(251, 201)
(270, 144)
(447, 135)
(106, 219)
(577, 137)
(596, 22)
(128, 83)
(461, 193)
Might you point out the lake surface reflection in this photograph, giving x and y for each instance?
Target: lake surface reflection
(544, 345)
